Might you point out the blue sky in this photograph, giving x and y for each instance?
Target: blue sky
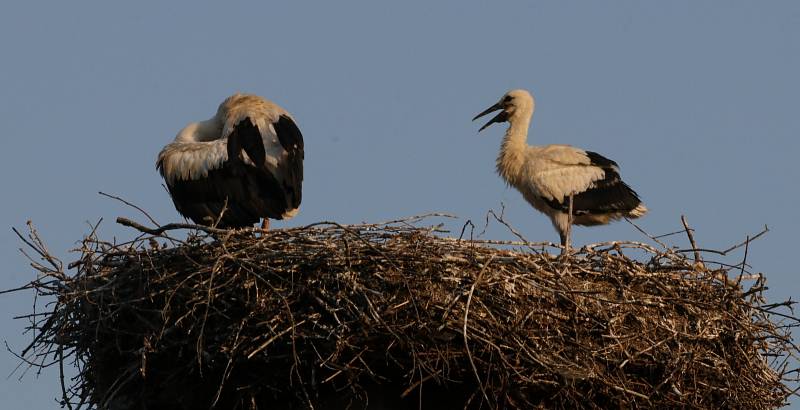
(697, 101)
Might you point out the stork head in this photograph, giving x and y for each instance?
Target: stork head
(513, 104)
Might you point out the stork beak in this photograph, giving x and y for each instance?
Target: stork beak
(502, 116)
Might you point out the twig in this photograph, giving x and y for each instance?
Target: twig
(417, 218)
(466, 340)
(664, 235)
(697, 258)
(170, 227)
(499, 218)
(732, 248)
(747, 241)
(744, 260)
(464, 228)
(65, 399)
(274, 338)
(131, 205)
(23, 287)
(37, 247)
(654, 238)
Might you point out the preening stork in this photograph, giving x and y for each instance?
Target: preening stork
(242, 164)
(568, 184)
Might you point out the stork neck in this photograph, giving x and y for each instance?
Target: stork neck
(517, 132)
(512, 150)
(202, 131)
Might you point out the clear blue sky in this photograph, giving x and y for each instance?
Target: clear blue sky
(698, 102)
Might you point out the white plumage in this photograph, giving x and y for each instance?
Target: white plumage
(191, 160)
(554, 178)
(243, 164)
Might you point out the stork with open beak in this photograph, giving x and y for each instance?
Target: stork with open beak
(568, 184)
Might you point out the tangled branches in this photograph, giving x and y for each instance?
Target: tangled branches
(395, 316)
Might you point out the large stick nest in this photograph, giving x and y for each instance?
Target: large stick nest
(393, 316)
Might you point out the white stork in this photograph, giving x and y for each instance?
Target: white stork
(568, 184)
(243, 164)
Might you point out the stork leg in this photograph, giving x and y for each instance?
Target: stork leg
(265, 224)
(566, 236)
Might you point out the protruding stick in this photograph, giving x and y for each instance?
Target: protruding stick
(697, 258)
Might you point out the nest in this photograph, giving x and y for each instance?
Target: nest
(394, 316)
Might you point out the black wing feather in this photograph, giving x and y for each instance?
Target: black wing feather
(245, 136)
(250, 194)
(610, 194)
(291, 140)
(601, 161)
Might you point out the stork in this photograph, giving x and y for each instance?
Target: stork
(568, 184)
(243, 164)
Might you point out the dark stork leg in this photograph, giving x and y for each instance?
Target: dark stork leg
(566, 236)
(265, 224)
